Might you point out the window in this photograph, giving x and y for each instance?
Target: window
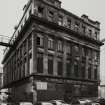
(68, 48)
(60, 66)
(50, 65)
(68, 68)
(96, 72)
(40, 40)
(51, 15)
(60, 46)
(25, 46)
(76, 51)
(95, 56)
(84, 29)
(50, 43)
(76, 27)
(83, 71)
(76, 69)
(18, 70)
(40, 11)
(90, 32)
(90, 53)
(21, 69)
(30, 64)
(69, 23)
(25, 65)
(21, 52)
(40, 63)
(29, 42)
(83, 52)
(60, 20)
(89, 71)
(96, 35)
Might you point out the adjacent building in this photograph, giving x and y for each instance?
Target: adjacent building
(1, 77)
(54, 55)
(102, 71)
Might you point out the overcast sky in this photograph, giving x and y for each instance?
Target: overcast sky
(11, 12)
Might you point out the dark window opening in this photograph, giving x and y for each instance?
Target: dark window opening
(60, 68)
(68, 69)
(69, 23)
(84, 29)
(90, 32)
(25, 47)
(76, 27)
(40, 63)
(50, 66)
(40, 41)
(25, 65)
(30, 63)
(83, 71)
(30, 42)
(95, 73)
(96, 35)
(40, 11)
(76, 70)
(89, 71)
(51, 15)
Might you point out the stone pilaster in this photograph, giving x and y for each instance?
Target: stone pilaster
(45, 56)
(55, 58)
(27, 57)
(64, 59)
(34, 52)
(86, 73)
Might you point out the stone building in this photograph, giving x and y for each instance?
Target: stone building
(1, 77)
(102, 71)
(54, 55)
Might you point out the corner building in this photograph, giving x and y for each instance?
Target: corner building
(54, 55)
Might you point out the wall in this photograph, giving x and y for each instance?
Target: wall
(102, 72)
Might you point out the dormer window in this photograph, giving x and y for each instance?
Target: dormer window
(40, 11)
(96, 35)
(90, 32)
(69, 23)
(76, 26)
(60, 20)
(84, 29)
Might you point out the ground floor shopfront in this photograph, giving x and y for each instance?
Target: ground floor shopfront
(41, 88)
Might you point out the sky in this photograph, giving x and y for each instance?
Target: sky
(11, 12)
